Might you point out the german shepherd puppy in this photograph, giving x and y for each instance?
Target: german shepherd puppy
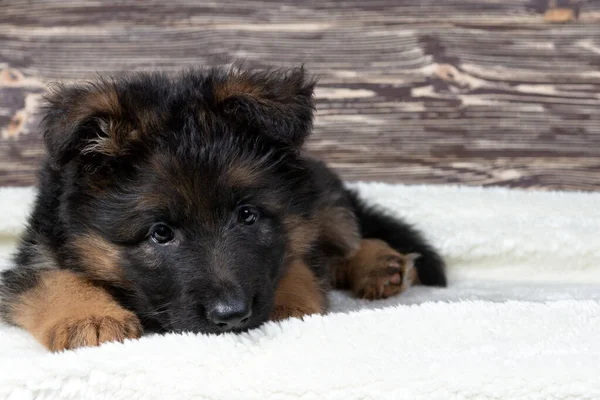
(170, 204)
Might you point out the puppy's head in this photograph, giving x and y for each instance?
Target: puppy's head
(185, 192)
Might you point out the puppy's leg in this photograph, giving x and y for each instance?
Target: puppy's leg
(376, 271)
(298, 294)
(64, 311)
(375, 223)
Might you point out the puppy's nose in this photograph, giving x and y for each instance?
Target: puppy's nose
(230, 314)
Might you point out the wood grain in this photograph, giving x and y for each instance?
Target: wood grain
(417, 91)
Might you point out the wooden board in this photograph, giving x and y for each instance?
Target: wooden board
(502, 92)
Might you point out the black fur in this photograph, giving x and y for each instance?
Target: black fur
(189, 151)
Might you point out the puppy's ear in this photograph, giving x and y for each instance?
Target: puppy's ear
(82, 119)
(277, 103)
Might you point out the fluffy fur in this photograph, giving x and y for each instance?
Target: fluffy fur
(185, 204)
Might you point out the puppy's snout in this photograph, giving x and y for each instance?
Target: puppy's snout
(230, 313)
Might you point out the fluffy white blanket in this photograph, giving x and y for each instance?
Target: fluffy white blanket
(520, 319)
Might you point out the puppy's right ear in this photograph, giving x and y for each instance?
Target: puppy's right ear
(81, 119)
(277, 103)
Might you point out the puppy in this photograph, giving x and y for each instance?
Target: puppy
(185, 203)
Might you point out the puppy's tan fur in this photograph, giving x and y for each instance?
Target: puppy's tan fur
(65, 311)
(298, 294)
(376, 270)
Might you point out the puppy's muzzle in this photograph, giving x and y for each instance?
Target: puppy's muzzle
(231, 311)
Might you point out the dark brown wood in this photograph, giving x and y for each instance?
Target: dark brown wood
(502, 92)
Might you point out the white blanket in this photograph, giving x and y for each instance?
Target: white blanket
(520, 319)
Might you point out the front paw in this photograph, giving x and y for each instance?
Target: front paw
(93, 330)
(284, 312)
(298, 294)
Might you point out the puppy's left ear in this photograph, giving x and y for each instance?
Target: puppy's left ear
(277, 103)
(81, 119)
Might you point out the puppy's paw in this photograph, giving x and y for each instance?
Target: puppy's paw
(383, 280)
(378, 271)
(298, 294)
(93, 330)
(284, 312)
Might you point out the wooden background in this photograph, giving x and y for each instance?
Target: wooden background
(500, 92)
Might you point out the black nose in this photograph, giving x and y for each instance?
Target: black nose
(230, 314)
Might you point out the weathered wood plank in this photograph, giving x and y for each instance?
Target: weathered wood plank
(482, 93)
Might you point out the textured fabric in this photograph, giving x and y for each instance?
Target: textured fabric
(520, 319)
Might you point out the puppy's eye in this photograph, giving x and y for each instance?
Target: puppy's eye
(247, 215)
(162, 234)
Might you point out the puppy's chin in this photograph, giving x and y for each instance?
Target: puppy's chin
(198, 323)
(202, 325)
